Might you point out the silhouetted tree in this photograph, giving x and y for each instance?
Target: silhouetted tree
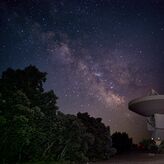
(121, 142)
(32, 128)
(27, 114)
(100, 147)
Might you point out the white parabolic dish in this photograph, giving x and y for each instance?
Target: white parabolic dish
(148, 106)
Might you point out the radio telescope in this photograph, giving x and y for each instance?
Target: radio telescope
(152, 107)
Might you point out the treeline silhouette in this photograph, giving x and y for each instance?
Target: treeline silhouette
(33, 129)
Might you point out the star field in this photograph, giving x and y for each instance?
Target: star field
(98, 54)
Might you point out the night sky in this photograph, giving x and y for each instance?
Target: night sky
(99, 54)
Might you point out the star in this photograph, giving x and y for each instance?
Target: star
(98, 54)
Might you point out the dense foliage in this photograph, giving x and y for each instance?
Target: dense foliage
(161, 147)
(149, 145)
(32, 128)
(121, 142)
(100, 147)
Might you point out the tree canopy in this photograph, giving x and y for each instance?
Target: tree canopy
(121, 142)
(33, 128)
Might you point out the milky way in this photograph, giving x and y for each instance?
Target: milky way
(98, 54)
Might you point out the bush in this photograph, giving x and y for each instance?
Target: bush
(121, 142)
(161, 147)
(153, 148)
(148, 145)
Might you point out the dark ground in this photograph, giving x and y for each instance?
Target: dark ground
(135, 158)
